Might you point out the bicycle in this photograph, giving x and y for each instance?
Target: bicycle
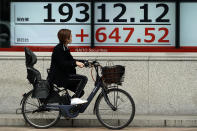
(114, 107)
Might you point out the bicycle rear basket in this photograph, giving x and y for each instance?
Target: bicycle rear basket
(113, 74)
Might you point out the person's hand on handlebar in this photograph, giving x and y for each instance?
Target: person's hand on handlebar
(79, 64)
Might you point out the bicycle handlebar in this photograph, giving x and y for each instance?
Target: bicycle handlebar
(90, 64)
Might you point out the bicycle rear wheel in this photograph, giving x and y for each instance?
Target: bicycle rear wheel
(37, 115)
(123, 113)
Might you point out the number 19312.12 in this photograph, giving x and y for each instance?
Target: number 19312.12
(118, 18)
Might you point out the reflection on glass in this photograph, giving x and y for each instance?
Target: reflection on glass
(4, 24)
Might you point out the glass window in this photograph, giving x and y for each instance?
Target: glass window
(188, 24)
(4, 24)
(125, 26)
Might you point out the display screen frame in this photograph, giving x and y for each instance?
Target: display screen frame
(112, 49)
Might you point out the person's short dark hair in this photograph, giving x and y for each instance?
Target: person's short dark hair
(64, 36)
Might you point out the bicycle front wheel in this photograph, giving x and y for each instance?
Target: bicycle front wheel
(124, 111)
(37, 115)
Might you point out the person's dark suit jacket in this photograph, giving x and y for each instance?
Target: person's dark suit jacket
(62, 64)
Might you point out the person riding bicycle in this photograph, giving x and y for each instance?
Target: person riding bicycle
(62, 69)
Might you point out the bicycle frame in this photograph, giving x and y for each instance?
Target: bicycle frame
(66, 108)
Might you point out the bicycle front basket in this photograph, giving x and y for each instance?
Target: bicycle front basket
(113, 74)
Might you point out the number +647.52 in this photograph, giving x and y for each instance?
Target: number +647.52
(101, 36)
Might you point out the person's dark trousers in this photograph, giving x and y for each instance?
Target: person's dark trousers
(76, 83)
